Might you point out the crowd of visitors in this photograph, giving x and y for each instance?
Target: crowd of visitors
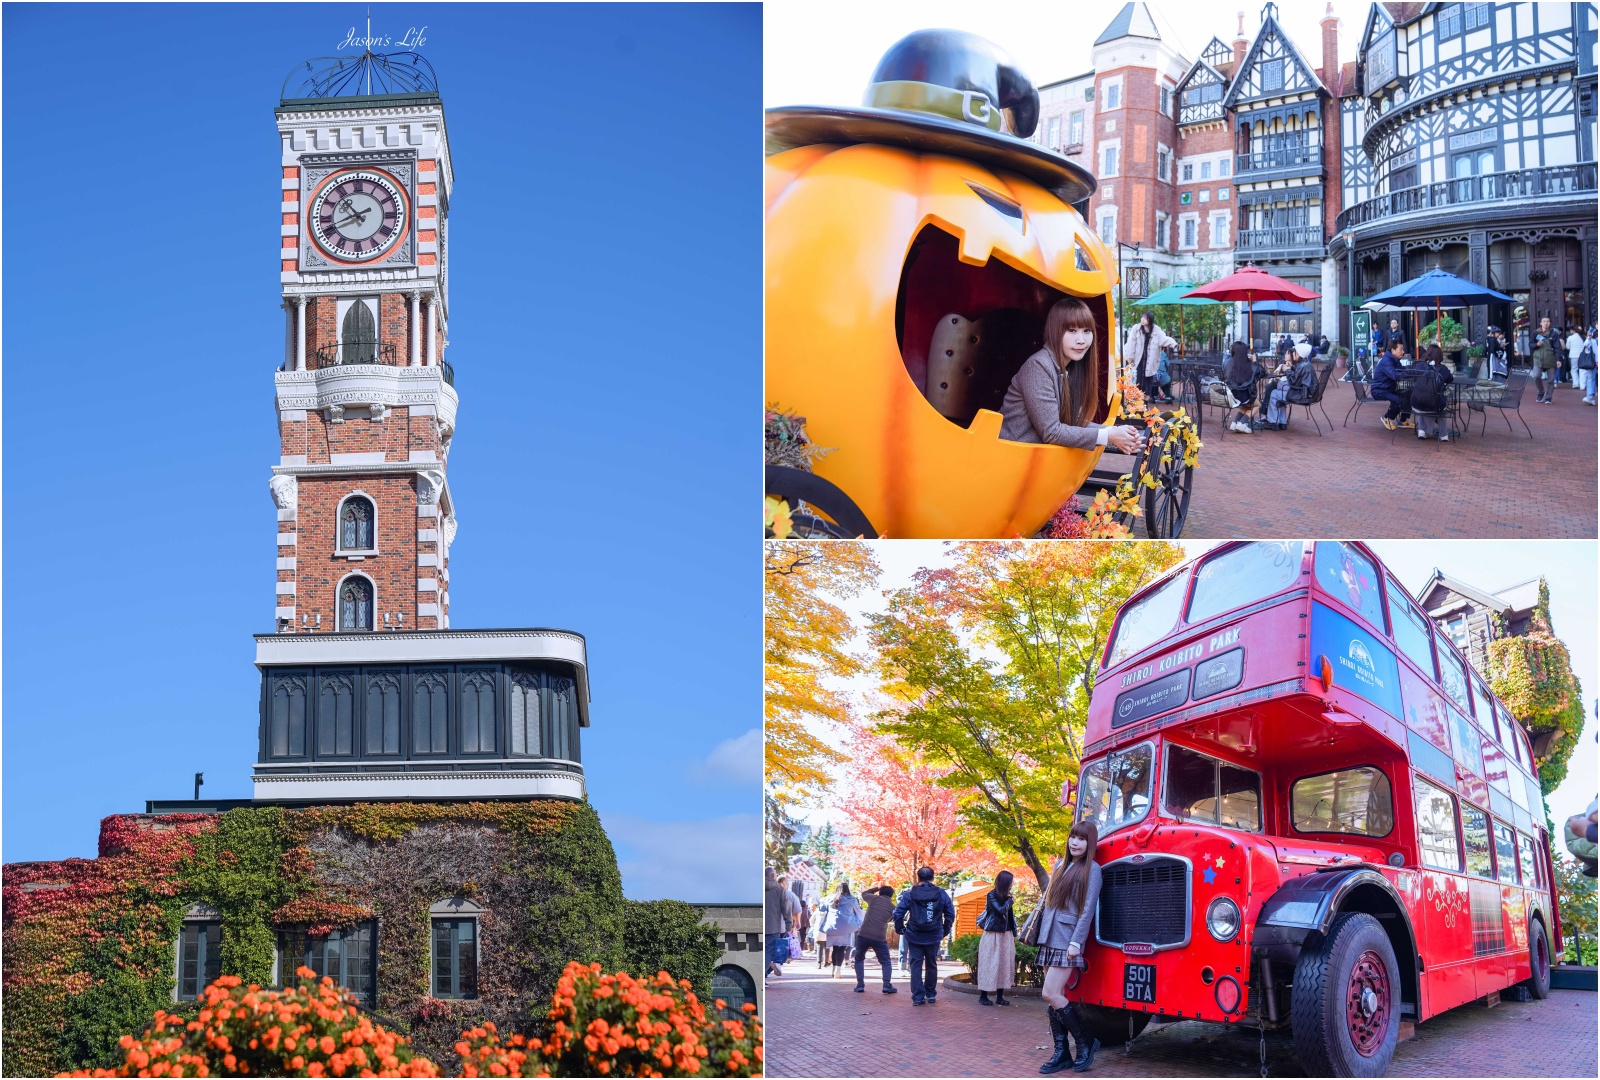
(841, 925)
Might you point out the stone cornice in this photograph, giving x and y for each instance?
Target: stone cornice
(367, 384)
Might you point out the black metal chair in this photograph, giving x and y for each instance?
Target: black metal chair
(1363, 388)
(1507, 399)
(1324, 375)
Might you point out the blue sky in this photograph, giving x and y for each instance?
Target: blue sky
(606, 337)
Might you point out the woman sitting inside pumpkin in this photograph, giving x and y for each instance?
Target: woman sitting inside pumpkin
(1052, 397)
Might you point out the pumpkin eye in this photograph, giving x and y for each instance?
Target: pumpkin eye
(1011, 211)
(1080, 256)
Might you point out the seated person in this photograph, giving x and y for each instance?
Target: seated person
(1428, 394)
(1295, 386)
(1240, 373)
(1052, 397)
(1384, 388)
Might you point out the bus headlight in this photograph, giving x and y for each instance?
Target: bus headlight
(1222, 919)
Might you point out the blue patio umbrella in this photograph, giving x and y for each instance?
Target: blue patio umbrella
(1437, 289)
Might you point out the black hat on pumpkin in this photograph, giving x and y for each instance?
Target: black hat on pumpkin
(943, 92)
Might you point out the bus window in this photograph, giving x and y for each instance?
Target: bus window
(1436, 827)
(1143, 623)
(1202, 788)
(1410, 629)
(1346, 574)
(1519, 787)
(1505, 853)
(1504, 731)
(1469, 746)
(1116, 788)
(1452, 675)
(1356, 801)
(1481, 706)
(1242, 574)
(1525, 861)
(1475, 830)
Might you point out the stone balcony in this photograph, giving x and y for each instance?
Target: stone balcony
(342, 386)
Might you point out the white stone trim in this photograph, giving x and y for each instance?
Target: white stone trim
(431, 456)
(292, 416)
(427, 559)
(428, 510)
(289, 230)
(286, 563)
(427, 536)
(348, 385)
(288, 539)
(427, 585)
(421, 785)
(286, 613)
(291, 207)
(292, 459)
(291, 183)
(286, 515)
(428, 609)
(285, 588)
(373, 458)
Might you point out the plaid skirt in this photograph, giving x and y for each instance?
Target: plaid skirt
(1049, 957)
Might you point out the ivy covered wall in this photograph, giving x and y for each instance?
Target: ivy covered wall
(1532, 674)
(89, 943)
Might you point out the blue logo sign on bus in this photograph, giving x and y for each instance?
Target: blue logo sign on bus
(1361, 662)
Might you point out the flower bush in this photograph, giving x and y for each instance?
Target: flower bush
(313, 1029)
(1111, 514)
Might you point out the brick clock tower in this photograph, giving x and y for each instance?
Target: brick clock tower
(366, 690)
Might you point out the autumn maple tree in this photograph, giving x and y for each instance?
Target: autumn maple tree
(991, 662)
(807, 641)
(898, 817)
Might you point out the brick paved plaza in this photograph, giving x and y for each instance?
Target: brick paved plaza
(1355, 482)
(819, 1027)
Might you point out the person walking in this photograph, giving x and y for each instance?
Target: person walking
(997, 949)
(840, 918)
(1143, 347)
(779, 910)
(1069, 904)
(924, 917)
(1587, 355)
(1574, 348)
(1545, 359)
(874, 935)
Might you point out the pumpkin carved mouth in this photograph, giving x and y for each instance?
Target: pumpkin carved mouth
(965, 330)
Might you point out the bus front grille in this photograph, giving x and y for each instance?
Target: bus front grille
(1145, 901)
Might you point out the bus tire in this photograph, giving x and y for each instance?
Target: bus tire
(1538, 983)
(1110, 1025)
(1345, 1002)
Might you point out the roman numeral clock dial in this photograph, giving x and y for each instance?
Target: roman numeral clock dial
(358, 215)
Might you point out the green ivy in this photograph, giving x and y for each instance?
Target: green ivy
(238, 869)
(668, 935)
(1532, 674)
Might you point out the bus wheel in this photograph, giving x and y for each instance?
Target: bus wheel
(1111, 1025)
(1346, 1000)
(1539, 957)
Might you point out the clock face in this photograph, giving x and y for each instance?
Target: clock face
(358, 215)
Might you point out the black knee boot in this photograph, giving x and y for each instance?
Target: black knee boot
(1058, 1031)
(1087, 1044)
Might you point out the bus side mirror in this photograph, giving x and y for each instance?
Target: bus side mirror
(1069, 792)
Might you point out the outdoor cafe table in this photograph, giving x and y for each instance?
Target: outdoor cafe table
(1406, 376)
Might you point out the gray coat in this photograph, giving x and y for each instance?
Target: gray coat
(1032, 407)
(1058, 927)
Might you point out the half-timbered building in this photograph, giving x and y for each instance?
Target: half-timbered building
(1471, 136)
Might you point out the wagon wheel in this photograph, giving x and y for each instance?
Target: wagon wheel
(1166, 506)
(820, 509)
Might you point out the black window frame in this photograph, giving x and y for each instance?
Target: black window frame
(477, 675)
(453, 925)
(285, 679)
(293, 943)
(353, 501)
(207, 957)
(354, 580)
(329, 681)
(420, 676)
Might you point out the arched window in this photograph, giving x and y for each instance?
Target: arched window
(358, 337)
(523, 686)
(355, 604)
(477, 712)
(735, 987)
(356, 519)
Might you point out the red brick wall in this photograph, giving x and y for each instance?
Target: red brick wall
(1212, 138)
(1140, 127)
(394, 325)
(393, 570)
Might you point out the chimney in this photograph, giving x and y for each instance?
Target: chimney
(1330, 49)
(1240, 44)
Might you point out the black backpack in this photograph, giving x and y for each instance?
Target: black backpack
(925, 917)
(1427, 390)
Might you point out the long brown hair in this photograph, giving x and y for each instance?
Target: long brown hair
(1071, 880)
(1081, 386)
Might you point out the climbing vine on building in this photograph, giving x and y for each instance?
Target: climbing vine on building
(1532, 674)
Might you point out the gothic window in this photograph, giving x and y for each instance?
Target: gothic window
(199, 957)
(383, 712)
(560, 708)
(336, 698)
(734, 986)
(358, 335)
(477, 712)
(430, 713)
(356, 519)
(455, 958)
(286, 725)
(523, 686)
(355, 604)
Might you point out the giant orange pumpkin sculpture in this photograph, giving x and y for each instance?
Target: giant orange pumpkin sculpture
(913, 250)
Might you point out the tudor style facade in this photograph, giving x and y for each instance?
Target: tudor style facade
(1471, 145)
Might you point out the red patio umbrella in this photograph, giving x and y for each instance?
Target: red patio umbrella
(1248, 284)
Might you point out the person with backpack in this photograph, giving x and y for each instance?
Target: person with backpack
(1069, 905)
(1586, 365)
(1386, 388)
(779, 915)
(874, 935)
(1428, 394)
(924, 917)
(840, 918)
(997, 949)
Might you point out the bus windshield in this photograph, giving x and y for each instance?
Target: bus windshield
(1116, 788)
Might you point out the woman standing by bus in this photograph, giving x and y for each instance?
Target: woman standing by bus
(1069, 905)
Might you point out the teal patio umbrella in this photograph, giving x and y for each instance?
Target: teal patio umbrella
(1174, 295)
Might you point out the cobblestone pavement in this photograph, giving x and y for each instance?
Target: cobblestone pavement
(1355, 483)
(819, 1027)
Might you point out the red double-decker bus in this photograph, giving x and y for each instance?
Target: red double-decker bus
(1313, 812)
